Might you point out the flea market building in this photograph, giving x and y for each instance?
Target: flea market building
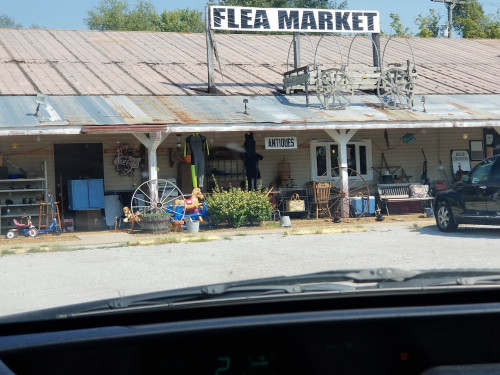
(148, 92)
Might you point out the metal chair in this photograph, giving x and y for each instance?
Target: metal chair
(320, 192)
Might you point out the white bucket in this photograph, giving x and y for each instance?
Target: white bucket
(192, 226)
(285, 221)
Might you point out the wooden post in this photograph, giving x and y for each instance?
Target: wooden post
(210, 53)
(342, 137)
(296, 50)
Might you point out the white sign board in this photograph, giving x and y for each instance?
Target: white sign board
(280, 143)
(294, 20)
(460, 161)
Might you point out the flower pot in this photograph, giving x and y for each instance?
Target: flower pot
(155, 224)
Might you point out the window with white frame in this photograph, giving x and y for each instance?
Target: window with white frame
(325, 157)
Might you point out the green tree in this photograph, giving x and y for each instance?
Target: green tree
(108, 15)
(470, 21)
(143, 17)
(9, 23)
(182, 20)
(313, 4)
(399, 29)
(116, 15)
(428, 25)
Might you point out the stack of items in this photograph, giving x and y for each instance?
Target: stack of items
(284, 176)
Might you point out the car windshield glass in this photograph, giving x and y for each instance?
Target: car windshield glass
(155, 154)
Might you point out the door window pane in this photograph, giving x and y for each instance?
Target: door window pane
(362, 160)
(320, 160)
(334, 156)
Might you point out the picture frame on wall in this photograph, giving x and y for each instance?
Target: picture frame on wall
(476, 150)
(460, 163)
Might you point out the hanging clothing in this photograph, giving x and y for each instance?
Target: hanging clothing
(251, 158)
(198, 145)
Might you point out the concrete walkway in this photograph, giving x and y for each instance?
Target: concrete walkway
(81, 240)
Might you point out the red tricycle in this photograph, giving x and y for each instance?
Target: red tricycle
(28, 229)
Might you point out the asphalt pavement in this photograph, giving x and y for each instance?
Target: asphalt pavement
(81, 267)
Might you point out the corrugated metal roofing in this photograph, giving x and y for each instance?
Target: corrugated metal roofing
(84, 62)
(213, 113)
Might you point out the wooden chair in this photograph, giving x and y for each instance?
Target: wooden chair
(320, 192)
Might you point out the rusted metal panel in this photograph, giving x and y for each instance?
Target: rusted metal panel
(88, 62)
(231, 113)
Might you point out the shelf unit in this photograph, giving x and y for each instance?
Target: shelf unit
(23, 193)
(286, 194)
(227, 167)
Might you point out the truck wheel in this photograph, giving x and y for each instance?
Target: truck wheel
(445, 220)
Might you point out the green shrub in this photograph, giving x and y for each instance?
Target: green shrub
(236, 206)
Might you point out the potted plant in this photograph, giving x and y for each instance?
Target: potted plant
(157, 222)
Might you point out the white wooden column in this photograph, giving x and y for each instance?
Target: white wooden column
(342, 137)
(151, 141)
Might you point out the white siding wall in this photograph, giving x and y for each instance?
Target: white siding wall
(32, 150)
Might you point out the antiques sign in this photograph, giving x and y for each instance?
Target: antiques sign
(293, 19)
(280, 143)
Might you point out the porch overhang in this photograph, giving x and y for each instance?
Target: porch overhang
(133, 114)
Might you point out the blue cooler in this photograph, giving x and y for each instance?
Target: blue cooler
(357, 204)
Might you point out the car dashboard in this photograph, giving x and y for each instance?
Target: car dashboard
(436, 332)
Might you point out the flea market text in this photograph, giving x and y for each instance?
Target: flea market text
(291, 19)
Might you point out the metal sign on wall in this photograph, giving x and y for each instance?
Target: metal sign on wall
(280, 143)
(293, 19)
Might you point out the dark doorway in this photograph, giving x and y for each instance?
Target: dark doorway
(76, 161)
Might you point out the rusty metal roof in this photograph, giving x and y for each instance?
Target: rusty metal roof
(142, 81)
(85, 62)
(73, 114)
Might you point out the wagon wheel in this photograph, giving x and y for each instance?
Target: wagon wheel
(340, 205)
(158, 197)
(334, 88)
(395, 88)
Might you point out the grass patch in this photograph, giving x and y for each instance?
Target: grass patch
(169, 240)
(272, 224)
(297, 232)
(415, 226)
(240, 234)
(200, 239)
(8, 252)
(35, 250)
(227, 238)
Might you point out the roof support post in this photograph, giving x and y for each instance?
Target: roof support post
(376, 50)
(296, 50)
(210, 53)
(151, 141)
(342, 136)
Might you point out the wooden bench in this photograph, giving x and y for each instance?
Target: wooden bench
(399, 193)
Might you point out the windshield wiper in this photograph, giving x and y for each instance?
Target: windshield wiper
(331, 282)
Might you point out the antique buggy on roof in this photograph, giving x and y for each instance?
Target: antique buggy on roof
(336, 85)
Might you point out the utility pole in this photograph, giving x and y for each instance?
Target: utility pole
(450, 4)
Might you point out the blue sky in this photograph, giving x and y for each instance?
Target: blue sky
(70, 14)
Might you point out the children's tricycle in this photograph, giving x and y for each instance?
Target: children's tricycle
(28, 229)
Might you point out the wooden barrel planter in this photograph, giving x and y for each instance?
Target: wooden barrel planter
(155, 224)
